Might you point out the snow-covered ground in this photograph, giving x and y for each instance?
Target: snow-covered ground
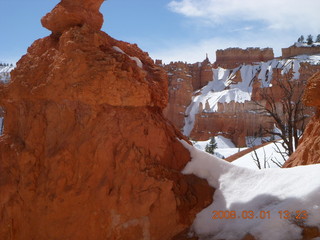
(225, 147)
(269, 203)
(269, 156)
(222, 89)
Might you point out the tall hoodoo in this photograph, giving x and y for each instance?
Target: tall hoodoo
(86, 152)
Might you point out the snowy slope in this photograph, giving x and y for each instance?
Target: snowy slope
(269, 156)
(225, 147)
(221, 141)
(268, 204)
(222, 89)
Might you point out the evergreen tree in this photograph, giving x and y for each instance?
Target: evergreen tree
(211, 146)
(318, 38)
(310, 39)
(301, 39)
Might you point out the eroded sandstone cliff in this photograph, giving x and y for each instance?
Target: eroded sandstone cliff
(228, 100)
(86, 152)
(233, 57)
(183, 80)
(295, 51)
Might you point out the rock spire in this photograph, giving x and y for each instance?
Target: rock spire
(86, 152)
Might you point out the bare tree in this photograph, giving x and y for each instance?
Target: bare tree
(282, 102)
(267, 158)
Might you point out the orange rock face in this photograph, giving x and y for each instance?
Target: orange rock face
(308, 151)
(294, 51)
(86, 152)
(184, 79)
(233, 57)
(71, 13)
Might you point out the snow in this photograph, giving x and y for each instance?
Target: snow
(242, 190)
(1, 125)
(269, 156)
(311, 59)
(304, 44)
(137, 60)
(118, 50)
(222, 142)
(225, 147)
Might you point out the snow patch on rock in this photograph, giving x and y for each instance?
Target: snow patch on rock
(137, 60)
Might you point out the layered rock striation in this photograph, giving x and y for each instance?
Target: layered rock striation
(86, 152)
(233, 57)
(295, 51)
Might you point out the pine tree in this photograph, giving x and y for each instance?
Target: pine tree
(211, 146)
(318, 39)
(310, 39)
(301, 39)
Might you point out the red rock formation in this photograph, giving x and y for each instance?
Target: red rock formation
(295, 51)
(308, 151)
(86, 152)
(201, 74)
(70, 13)
(233, 57)
(233, 120)
(184, 79)
(180, 92)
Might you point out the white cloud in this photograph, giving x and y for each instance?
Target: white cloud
(275, 14)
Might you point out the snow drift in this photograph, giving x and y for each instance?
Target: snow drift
(268, 204)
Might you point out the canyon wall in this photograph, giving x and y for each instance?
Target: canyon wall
(234, 115)
(233, 57)
(233, 120)
(295, 51)
(232, 92)
(86, 151)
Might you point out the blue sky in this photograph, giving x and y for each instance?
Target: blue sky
(174, 30)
